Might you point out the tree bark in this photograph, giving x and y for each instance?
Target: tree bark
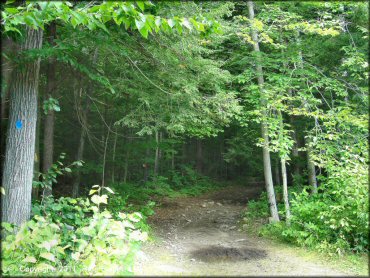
(277, 172)
(47, 160)
(264, 128)
(20, 143)
(36, 167)
(311, 168)
(6, 74)
(285, 191)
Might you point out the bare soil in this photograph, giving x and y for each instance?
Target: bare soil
(201, 236)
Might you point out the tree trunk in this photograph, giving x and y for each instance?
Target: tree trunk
(295, 153)
(264, 129)
(6, 74)
(20, 143)
(36, 167)
(81, 147)
(277, 172)
(47, 160)
(285, 191)
(114, 154)
(199, 156)
(311, 168)
(127, 157)
(146, 165)
(156, 159)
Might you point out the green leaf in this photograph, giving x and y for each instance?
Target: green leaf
(110, 190)
(29, 259)
(2, 190)
(68, 170)
(141, 5)
(48, 256)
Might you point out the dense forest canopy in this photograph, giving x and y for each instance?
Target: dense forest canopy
(143, 98)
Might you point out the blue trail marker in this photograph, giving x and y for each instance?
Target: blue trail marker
(18, 124)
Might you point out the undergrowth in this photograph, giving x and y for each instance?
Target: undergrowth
(335, 221)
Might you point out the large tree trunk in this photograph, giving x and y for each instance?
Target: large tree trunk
(311, 168)
(264, 128)
(47, 160)
(20, 143)
(199, 157)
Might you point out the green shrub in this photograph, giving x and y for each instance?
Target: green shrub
(335, 220)
(93, 242)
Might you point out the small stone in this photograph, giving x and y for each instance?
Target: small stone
(245, 226)
(204, 205)
(232, 228)
(219, 204)
(192, 260)
(211, 203)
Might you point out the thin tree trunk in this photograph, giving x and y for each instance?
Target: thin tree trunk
(277, 172)
(285, 191)
(81, 147)
(264, 128)
(36, 167)
(295, 153)
(146, 165)
(6, 74)
(104, 156)
(20, 143)
(311, 168)
(284, 172)
(199, 156)
(47, 160)
(127, 157)
(114, 154)
(84, 128)
(156, 159)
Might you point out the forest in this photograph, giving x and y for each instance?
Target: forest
(184, 138)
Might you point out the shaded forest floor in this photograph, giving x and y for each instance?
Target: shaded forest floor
(201, 236)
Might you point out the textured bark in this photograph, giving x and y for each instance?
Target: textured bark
(20, 143)
(199, 156)
(47, 159)
(264, 129)
(311, 168)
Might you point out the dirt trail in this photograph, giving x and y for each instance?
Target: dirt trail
(200, 236)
